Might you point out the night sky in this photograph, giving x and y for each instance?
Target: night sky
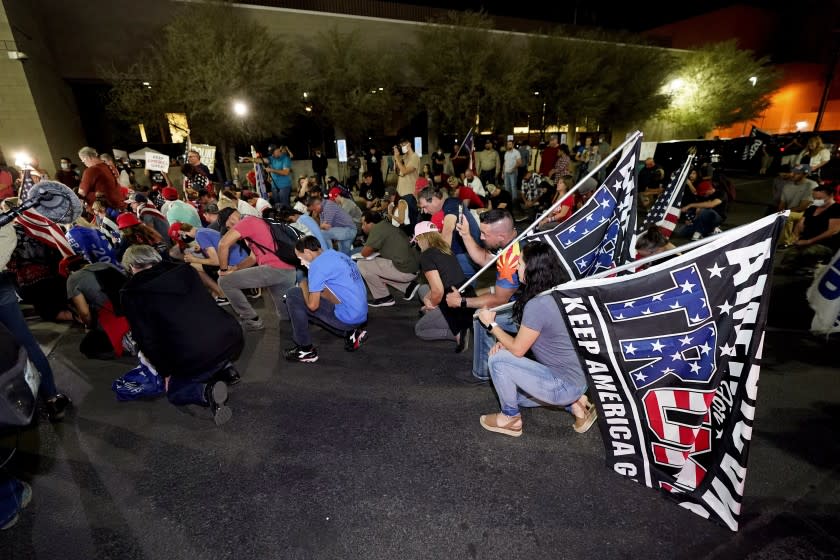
(630, 15)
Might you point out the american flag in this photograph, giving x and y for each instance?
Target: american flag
(469, 146)
(672, 354)
(44, 230)
(665, 212)
(601, 234)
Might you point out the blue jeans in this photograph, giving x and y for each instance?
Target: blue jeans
(484, 341)
(281, 197)
(704, 222)
(189, 390)
(511, 180)
(525, 382)
(343, 235)
(12, 318)
(11, 495)
(301, 316)
(467, 265)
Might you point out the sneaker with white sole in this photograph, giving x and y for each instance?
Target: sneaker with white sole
(216, 395)
(386, 301)
(300, 354)
(716, 231)
(411, 290)
(354, 339)
(697, 235)
(221, 301)
(253, 293)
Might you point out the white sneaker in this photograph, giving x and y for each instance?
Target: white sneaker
(697, 235)
(716, 231)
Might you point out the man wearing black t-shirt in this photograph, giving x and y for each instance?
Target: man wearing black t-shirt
(705, 215)
(818, 232)
(499, 198)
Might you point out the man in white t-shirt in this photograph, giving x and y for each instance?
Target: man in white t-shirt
(473, 182)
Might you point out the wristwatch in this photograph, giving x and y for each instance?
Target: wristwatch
(490, 326)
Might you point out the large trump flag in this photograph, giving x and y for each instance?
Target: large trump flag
(672, 354)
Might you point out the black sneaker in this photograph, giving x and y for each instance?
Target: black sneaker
(354, 339)
(230, 376)
(253, 293)
(463, 341)
(57, 406)
(411, 290)
(217, 395)
(386, 301)
(299, 354)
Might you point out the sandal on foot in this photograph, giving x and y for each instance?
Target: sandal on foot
(492, 422)
(582, 425)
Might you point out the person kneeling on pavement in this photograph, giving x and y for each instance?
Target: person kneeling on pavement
(387, 259)
(333, 295)
(162, 300)
(554, 377)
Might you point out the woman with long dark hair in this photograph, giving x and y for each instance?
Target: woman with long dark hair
(555, 377)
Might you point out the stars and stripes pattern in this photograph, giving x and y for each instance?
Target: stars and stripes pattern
(44, 230)
(665, 212)
(599, 236)
(673, 354)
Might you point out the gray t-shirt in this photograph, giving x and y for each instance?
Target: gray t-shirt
(554, 347)
(84, 282)
(794, 194)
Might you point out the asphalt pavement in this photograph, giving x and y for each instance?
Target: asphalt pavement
(379, 455)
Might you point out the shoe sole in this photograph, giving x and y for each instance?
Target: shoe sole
(413, 293)
(222, 303)
(302, 360)
(358, 344)
(386, 304)
(590, 420)
(497, 429)
(222, 415)
(252, 328)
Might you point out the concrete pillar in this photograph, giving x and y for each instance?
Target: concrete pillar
(38, 113)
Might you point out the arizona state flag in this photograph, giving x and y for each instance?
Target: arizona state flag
(672, 354)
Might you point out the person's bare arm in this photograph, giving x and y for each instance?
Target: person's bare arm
(499, 297)
(517, 345)
(83, 310)
(227, 241)
(436, 290)
(477, 253)
(700, 205)
(833, 229)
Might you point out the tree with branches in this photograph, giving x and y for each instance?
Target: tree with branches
(209, 56)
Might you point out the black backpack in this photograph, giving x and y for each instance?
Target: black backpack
(285, 237)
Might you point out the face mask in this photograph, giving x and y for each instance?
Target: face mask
(404, 149)
(65, 166)
(819, 202)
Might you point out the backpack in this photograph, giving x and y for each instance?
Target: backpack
(285, 237)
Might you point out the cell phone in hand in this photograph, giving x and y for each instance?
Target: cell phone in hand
(460, 213)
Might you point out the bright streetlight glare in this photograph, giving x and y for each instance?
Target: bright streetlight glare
(753, 80)
(802, 125)
(240, 109)
(676, 84)
(22, 159)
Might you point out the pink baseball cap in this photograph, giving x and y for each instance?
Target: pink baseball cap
(423, 227)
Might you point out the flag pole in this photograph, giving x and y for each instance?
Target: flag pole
(461, 145)
(551, 209)
(651, 258)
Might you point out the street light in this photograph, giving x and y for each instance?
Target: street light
(753, 80)
(240, 108)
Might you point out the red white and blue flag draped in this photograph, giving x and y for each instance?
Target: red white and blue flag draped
(600, 235)
(672, 355)
(665, 212)
(44, 230)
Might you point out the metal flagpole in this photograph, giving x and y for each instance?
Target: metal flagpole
(536, 222)
(651, 258)
(461, 145)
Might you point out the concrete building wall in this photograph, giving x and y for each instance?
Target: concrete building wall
(38, 114)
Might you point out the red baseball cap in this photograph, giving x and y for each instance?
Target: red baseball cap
(335, 192)
(169, 193)
(174, 231)
(127, 219)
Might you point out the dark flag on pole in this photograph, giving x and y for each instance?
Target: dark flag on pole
(469, 146)
(758, 138)
(672, 354)
(600, 235)
(666, 211)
